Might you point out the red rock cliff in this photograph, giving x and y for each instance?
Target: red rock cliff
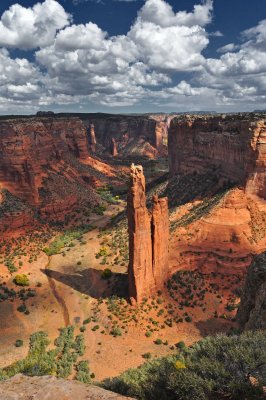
(31, 148)
(133, 135)
(234, 147)
(148, 239)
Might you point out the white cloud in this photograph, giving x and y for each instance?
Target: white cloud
(81, 64)
(29, 28)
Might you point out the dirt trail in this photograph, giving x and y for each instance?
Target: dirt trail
(56, 294)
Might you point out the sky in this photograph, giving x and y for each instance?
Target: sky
(132, 56)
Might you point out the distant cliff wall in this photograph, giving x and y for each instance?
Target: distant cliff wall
(132, 135)
(233, 147)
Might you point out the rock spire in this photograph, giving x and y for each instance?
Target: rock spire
(148, 239)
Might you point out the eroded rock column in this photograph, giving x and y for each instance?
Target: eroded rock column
(92, 138)
(160, 240)
(148, 239)
(140, 248)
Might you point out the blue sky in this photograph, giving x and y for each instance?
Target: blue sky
(132, 56)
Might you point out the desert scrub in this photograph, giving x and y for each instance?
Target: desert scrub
(99, 210)
(83, 372)
(214, 368)
(106, 274)
(21, 280)
(66, 240)
(58, 361)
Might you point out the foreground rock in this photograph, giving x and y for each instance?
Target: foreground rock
(252, 311)
(148, 239)
(22, 387)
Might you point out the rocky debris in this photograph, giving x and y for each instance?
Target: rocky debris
(148, 239)
(233, 147)
(252, 311)
(22, 387)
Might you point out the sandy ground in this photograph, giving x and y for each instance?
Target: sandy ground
(70, 290)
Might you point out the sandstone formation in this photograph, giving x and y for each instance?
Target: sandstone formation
(232, 147)
(22, 387)
(252, 311)
(92, 138)
(32, 147)
(144, 135)
(45, 164)
(148, 239)
(215, 228)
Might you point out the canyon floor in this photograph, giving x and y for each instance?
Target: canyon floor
(79, 277)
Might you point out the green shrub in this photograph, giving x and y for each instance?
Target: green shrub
(116, 331)
(19, 343)
(21, 280)
(158, 341)
(83, 372)
(215, 368)
(181, 345)
(147, 356)
(106, 274)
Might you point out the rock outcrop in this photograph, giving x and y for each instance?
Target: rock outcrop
(148, 239)
(22, 387)
(252, 311)
(232, 147)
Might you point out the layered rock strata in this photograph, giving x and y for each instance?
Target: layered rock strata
(252, 311)
(211, 152)
(148, 239)
(232, 147)
(132, 135)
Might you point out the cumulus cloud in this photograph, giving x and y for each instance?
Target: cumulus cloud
(29, 28)
(81, 64)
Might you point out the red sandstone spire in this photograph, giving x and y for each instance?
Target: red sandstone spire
(148, 239)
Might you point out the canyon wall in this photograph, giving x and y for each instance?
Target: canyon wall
(45, 166)
(218, 173)
(129, 135)
(252, 311)
(231, 147)
(31, 148)
(148, 239)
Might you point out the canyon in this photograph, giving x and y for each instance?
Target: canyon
(135, 268)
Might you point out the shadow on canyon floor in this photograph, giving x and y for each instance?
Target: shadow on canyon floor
(91, 283)
(214, 325)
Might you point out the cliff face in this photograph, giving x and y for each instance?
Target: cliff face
(148, 239)
(30, 149)
(252, 312)
(45, 163)
(233, 147)
(130, 135)
(218, 232)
